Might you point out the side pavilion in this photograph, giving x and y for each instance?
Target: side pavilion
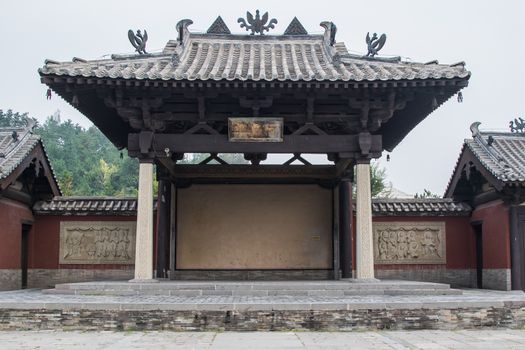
(218, 92)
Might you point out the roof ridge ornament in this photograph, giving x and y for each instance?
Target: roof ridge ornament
(257, 24)
(485, 144)
(218, 27)
(374, 44)
(295, 28)
(182, 29)
(330, 29)
(517, 125)
(138, 41)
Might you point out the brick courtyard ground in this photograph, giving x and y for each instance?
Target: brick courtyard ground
(467, 339)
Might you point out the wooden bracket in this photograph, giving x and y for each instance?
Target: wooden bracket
(297, 156)
(145, 141)
(213, 156)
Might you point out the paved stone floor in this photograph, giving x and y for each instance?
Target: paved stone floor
(468, 339)
(32, 299)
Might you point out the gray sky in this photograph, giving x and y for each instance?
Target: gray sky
(487, 35)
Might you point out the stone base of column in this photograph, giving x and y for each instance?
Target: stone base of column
(363, 280)
(138, 280)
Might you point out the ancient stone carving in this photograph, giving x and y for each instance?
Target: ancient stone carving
(409, 243)
(99, 242)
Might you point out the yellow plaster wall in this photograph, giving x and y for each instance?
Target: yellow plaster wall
(254, 227)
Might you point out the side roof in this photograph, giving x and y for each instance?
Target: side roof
(17, 144)
(229, 57)
(500, 156)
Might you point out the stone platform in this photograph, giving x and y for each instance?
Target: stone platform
(256, 288)
(141, 308)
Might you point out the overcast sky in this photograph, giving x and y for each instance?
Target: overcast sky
(487, 35)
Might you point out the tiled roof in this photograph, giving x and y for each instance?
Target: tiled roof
(419, 207)
(504, 157)
(128, 206)
(205, 57)
(13, 152)
(87, 206)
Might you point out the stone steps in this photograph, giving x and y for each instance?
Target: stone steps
(255, 289)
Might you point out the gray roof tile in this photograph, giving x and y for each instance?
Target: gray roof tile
(253, 58)
(504, 158)
(123, 206)
(419, 207)
(128, 206)
(12, 152)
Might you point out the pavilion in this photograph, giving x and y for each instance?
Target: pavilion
(217, 93)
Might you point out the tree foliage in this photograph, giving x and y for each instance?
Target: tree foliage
(378, 183)
(13, 119)
(86, 162)
(426, 194)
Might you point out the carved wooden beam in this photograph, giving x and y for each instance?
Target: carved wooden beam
(246, 171)
(320, 144)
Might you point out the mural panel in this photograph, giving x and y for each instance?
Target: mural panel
(409, 243)
(97, 242)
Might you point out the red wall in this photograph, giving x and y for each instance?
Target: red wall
(496, 234)
(44, 243)
(13, 214)
(460, 243)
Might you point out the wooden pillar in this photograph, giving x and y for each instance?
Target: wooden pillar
(163, 229)
(336, 233)
(517, 248)
(345, 225)
(364, 238)
(173, 231)
(144, 238)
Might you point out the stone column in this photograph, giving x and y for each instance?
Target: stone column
(144, 239)
(364, 234)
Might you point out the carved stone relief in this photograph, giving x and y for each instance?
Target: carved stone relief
(97, 242)
(409, 243)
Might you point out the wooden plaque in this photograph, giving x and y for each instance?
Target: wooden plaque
(255, 129)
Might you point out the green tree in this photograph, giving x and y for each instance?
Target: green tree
(426, 194)
(378, 182)
(13, 119)
(86, 162)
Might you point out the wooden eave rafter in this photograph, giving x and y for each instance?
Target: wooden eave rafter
(51, 80)
(381, 121)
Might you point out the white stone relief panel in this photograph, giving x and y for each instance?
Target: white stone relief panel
(97, 242)
(409, 243)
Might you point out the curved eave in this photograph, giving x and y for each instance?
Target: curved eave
(405, 120)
